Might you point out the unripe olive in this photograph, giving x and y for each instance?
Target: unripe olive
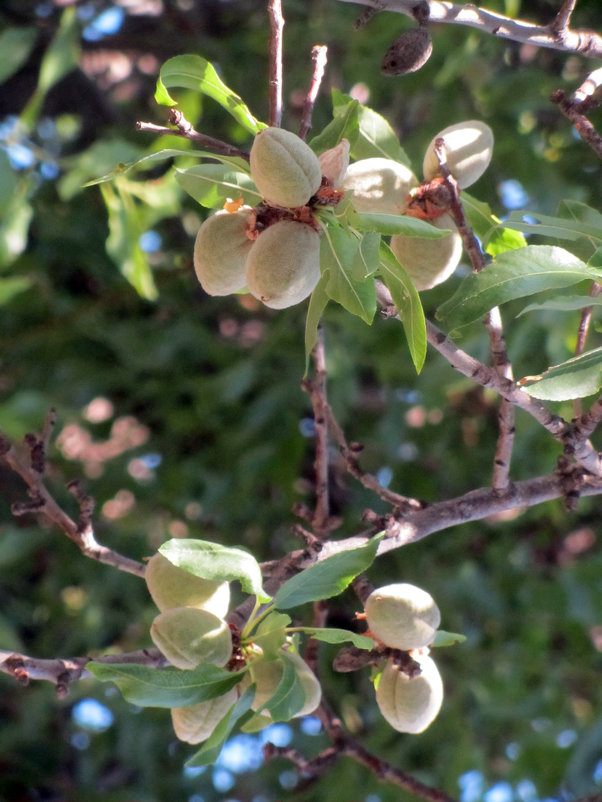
(220, 252)
(171, 586)
(189, 637)
(468, 150)
(429, 262)
(410, 705)
(283, 266)
(402, 616)
(195, 723)
(284, 168)
(334, 162)
(379, 185)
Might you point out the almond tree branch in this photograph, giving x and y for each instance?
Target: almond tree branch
(186, 130)
(275, 50)
(572, 110)
(563, 17)
(587, 43)
(319, 55)
(82, 532)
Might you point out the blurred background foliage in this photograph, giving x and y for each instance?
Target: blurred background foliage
(184, 414)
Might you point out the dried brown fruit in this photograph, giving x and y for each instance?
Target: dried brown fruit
(220, 252)
(408, 53)
(468, 150)
(195, 723)
(283, 266)
(379, 185)
(429, 262)
(171, 586)
(189, 637)
(402, 616)
(410, 705)
(284, 168)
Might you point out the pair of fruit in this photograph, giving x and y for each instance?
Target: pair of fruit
(403, 616)
(191, 630)
(382, 185)
(280, 266)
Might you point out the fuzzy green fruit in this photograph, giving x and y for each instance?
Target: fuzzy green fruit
(410, 705)
(468, 150)
(429, 262)
(171, 586)
(195, 723)
(379, 185)
(283, 266)
(220, 252)
(402, 616)
(189, 637)
(284, 168)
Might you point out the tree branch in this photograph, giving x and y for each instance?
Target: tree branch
(587, 43)
(186, 130)
(275, 50)
(318, 57)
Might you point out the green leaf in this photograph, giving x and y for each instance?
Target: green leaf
(376, 137)
(15, 45)
(563, 303)
(397, 224)
(556, 227)
(443, 638)
(513, 274)
(326, 578)
(214, 561)
(11, 286)
(212, 184)
(333, 635)
(61, 57)
(576, 378)
(407, 302)
(342, 262)
(344, 126)
(209, 752)
(317, 304)
(166, 687)
(270, 635)
(488, 228)
(289, 696)
(194, 72)
(123, 242)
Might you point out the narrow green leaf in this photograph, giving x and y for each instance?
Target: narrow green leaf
(214, 561)
(343, 265)
(576, 378)
(443, 638)
(211, 184)
(407, 302)
(289, 696)
(209, 752)
(513, 274)
(166, 687)
(317, 304)
(15, 45)
(489, 229)
(195, 72)
(556, 227)
(398, 224)
(332, 635)
(563, 303)
(376, 137)
(326, 578)
(344, 126)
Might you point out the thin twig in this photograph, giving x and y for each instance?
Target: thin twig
(582, 332)
(319, 56)
(562, 19)
(587, 43)
(317, 390)
(493, 323)
(186, 130)
(81, 533)
(275, 51)
(582, 125)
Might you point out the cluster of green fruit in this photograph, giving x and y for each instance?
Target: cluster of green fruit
(191, 630)
(405, 617)
(274, 250)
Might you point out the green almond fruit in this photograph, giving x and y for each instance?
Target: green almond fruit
(468, 151)
(189, 637)
(284, 168)
(410, 705)
(379, 185)
(429, 262)
(220, 251)
(171, 587)
(402, 616)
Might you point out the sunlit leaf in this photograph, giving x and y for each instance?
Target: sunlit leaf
(443, 638)
(211, 184)
(344, 267)
(333, 635)
(376, 137)
(563, 303)
(488, 228)
(576, 378)
(398, 224)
